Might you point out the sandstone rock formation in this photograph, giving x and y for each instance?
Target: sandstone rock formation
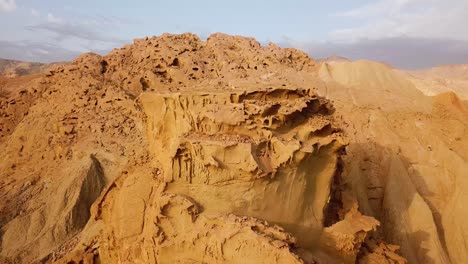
(175, 150)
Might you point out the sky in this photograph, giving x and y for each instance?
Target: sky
(408, 34)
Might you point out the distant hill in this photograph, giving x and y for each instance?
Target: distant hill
(334, 59)
(442, 79)
(13, 68)
(451, 71)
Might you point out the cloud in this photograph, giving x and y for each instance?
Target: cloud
(35, 13)
(63, 39)
(53, 19)
(84, 31)
(401, 52)
(409, 34)
(381, 7)
(7, 5)
(35, 51)
(405, 18)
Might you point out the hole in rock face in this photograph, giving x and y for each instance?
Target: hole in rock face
(144, 84)
(332, 210)
(325, 131)
(104, 65)
(175, 63)
(273, 110)
(195, 68)
(96, 259)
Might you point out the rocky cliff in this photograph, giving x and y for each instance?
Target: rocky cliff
(177, 150)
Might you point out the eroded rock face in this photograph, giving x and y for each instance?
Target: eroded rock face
(226, 160)
(268, 154)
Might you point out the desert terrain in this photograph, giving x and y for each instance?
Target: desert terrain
(177, 150)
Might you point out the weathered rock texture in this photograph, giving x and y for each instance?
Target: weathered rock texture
(175, 150)
(268, 154)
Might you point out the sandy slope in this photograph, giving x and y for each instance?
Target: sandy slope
(442, 79)
(407, 160)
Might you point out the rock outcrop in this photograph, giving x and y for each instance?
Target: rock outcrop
(177, 150)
